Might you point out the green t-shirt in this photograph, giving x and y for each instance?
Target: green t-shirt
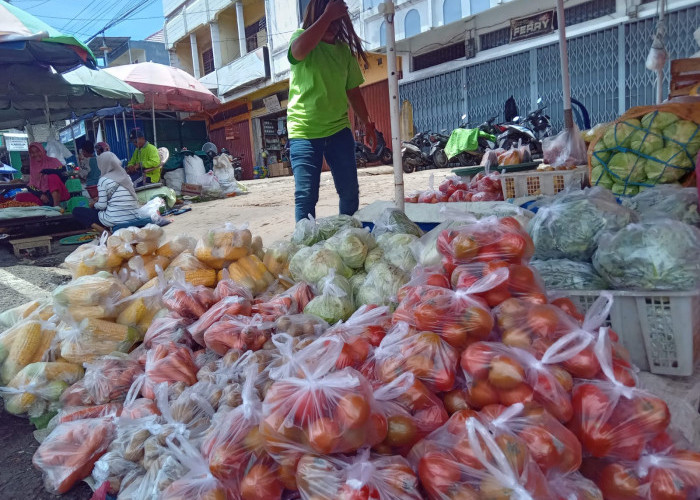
(318, 102)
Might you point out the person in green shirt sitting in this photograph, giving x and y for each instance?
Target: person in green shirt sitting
(145, 158)
(325, 77)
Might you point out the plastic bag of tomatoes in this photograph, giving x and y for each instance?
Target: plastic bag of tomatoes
(460, 318)
(573, 486)
(412, 412)
(235, 451)
(487, 239)
(291, 301)
(463, 459)
(362, 477)
(421, 276)
(519, 281)
(228, 306)
(317, 410)
(361, 333)
(452, 184)
(658, 475)
(187, 300)
(238, 332)
(551, 444)
(498, 374)
(423, 353)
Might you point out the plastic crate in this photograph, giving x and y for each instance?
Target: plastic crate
(74, 186)
(661, 330)
(541, 182)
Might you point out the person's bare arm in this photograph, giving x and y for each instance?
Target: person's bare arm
(358, 104)
(309, 39)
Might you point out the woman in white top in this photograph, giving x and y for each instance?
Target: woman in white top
(117, 201)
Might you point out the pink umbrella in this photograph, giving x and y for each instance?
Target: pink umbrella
(165, 87)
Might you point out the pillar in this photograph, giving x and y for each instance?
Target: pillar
(215, 44)
(241, 28)
(195, 55)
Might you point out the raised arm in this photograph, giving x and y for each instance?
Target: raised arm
(307, 41)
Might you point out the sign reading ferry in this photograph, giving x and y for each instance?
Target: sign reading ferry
(532, 26)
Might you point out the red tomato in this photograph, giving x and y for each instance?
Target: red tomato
(482, 394)
(515, 246)
(521, 393)
(401, 432)
(521, 279)
(443, 379)
(666, 485)
(511, 222)
(455, 334)
(324, 434)
(308, 404)
(352, 411)
(456, 423)
(516, 337)
(583, 365)
(476, 360)
(438, 473)
(566, 305)
(478, 322)
(374, 334)
(496, 295)
(505, 372)
(456, 400)
(543, 320)
(260, 483)
(617, 482)
(652, 413)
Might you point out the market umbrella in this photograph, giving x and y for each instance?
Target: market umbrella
(31, 93)
(166, 88)
(25, 39)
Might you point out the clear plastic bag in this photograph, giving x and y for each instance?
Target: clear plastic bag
(241, 333)
(219, 247)
(151, 210)
(314, 264)
(173, 248)
(573, 486)
(69, 453)
(670, 201)
(28, 341)
(381, 285)
(396, 249)
(566, 149)
(107, 379)
(228, 306)
(193, 270)
(36, 309)
(86, 341)
(352, 244)
(425, 354)
(412, 412)
(297, 325)
(91, 296)
(112, 467)
(464, 458)
(335, 302)
(564, 274)
(392, 220)
(363, 475)
(167, 363)
(328, 226)
(278, 255)
(291, 301)
(91, 257)
(306, 232)
(318, 411)
(168, 329)
(198, 481)
(653, 255)
(226, 287)
(187, 300)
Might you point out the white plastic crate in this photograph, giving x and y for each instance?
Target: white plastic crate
(661, 330)
(541, 182)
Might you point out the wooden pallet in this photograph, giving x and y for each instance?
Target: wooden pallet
(29, 244)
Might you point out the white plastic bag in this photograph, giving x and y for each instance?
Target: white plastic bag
(55, 149)
(151, 209)
(224, 172)
(210, 185)
(567, 148)
(194, 169)
(174, 179)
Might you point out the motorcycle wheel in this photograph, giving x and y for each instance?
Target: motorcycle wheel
(466, 160)
(408, 167)
(361, 162)
(387, 157)
(440, 158)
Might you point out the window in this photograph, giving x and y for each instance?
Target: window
(256, 35)
(382, 34)
(479, 6)
(587, 11)
(495, 38)
(439, 56)
(412, 23)
(208, 61)
(451, 11)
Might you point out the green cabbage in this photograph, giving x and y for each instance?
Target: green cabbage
(306, 232)
(330, 308)
(673, 163)
(317, 264)
(373, 256)
(328, 226)
(600, 177)
(564, 274)
(658, 119)
(393, 220)
(298, 262)
(352, 245)
(397, 250)
(646, 142)
(655, 255)
(624, 189)
(627, 167)
(684, 133)
(601, 154)
(381, 285)
(357, 281)
(619, 134)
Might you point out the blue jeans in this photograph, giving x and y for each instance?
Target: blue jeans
(307, 161)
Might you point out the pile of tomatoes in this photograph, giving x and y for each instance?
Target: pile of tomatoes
(482, 187)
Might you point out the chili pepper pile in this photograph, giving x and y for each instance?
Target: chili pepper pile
(476, 386)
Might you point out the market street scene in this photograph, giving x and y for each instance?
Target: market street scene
(350, 250)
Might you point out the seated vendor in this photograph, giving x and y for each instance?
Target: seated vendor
(145, 159)
(89, 173)
(101, 147)
(117, 201)
(45, 185)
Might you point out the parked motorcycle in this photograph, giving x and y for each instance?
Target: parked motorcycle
(529, 130)
(416, 153)
(364, 155)
(437, 150)
(236, 163)
(473, 157)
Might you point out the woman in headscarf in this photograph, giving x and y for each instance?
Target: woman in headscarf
(45, 188)
(101, 147)
(117, 201)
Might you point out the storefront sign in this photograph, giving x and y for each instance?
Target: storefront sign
(65, 135)
(532, 26)
(16, 142)
(272, 104)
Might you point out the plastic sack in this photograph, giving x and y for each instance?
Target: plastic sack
(86, 341)
(313, 264)
(174, 179)
(219, 247)
(412, 412)
(396, 249)
(278, 255)
(306, 232)
(39, 309)
(107, 379)
(319, 411)
(194, 168)
(335, 302)
(510, 157)
(363, 476)
(112, 468)
(566, 149)
(228, 306)
(26, 342)
(425, 354)
(392, 220)
(152, 209)
(655, 255)
(90, 296)
(666, 201)
(69, 453)
(92, 257)
(570, 226)
(464, 458)
(564, 274)
(167, 363)
(483, 240)
(193, 270)
(352, 244)
(612, 420)
(242, 333)
(37, 387)
(291, 301)
(198, 481)
(55, 149)
(380, 285)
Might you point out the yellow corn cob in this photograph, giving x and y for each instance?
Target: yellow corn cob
(206, 255)
(17, 404)
(146, 247)
(206, 277)
(149, 284)
(113, 260)
(79, 313)
(29, 308)
(89, 349)
(108, 331)
(45, 312)
(22, 351)
(83, 270)
(133, 313)
(150, 265)
(257, 270)
(46, 340)
(43, 372)
(167, 250)
(150, 232)
(240, 276)
(220, 238)
(233, 253)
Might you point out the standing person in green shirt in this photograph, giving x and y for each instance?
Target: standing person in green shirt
(145, 157)
(325, 77)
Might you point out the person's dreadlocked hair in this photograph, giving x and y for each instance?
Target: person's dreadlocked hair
(346, 32)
